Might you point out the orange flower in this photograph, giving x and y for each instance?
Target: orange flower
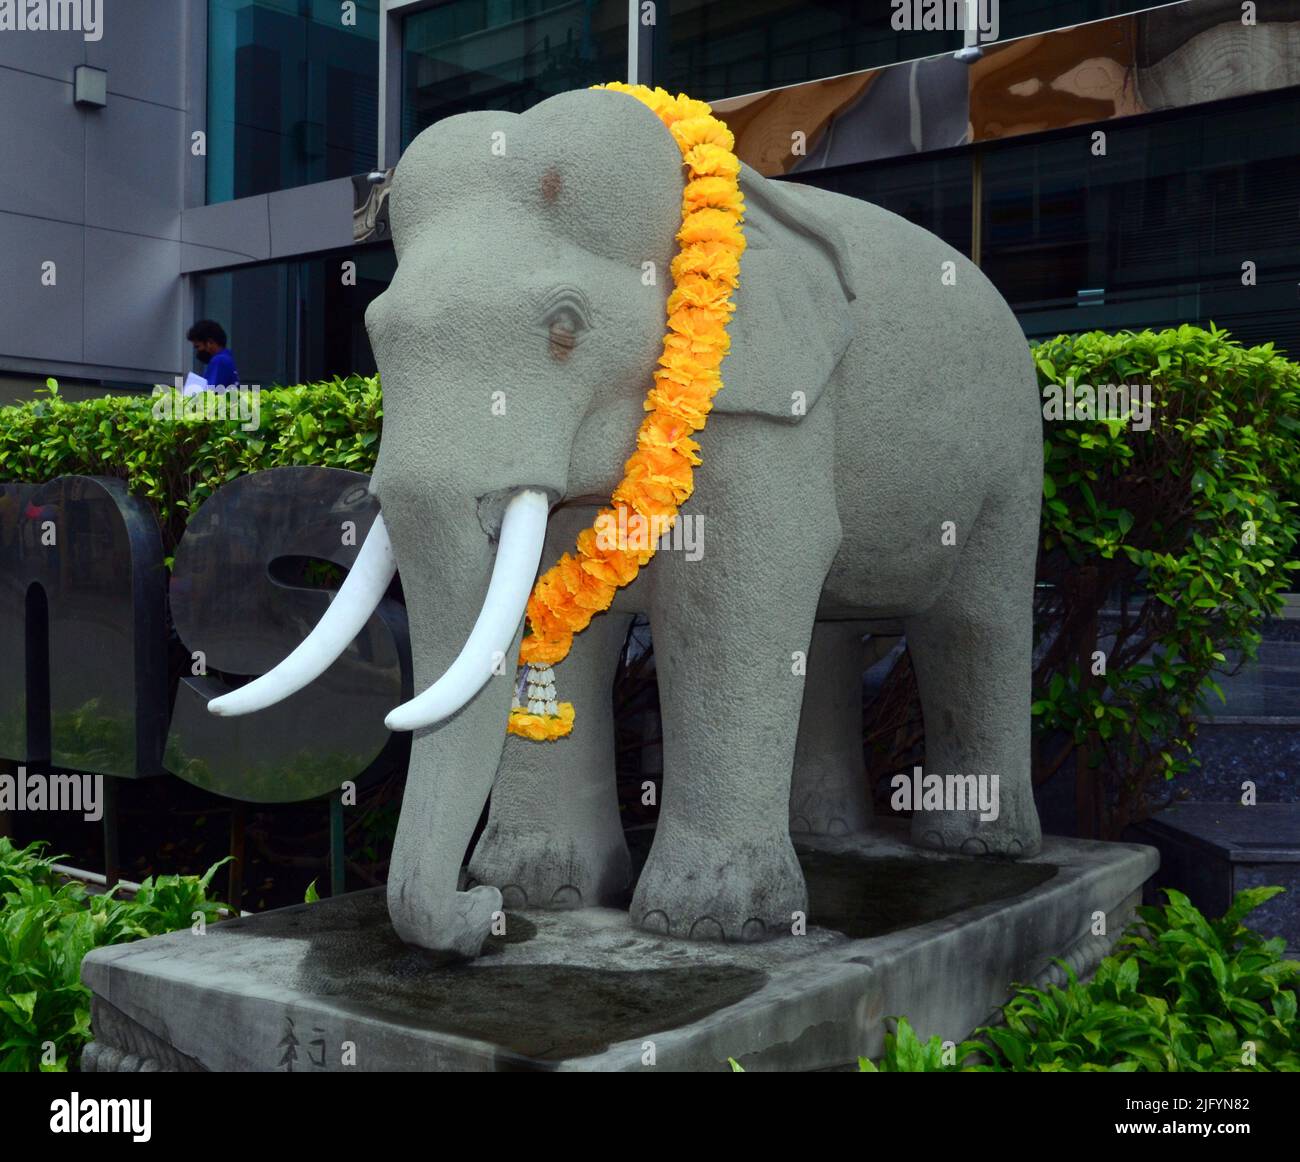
(715, 192)
(542, 727)
(617, 569)
(680, 405)
(710, 225)
(542, 620)
(694, 290)
(710, 260)
(585, 591)
(658, 475)
(627, 537)
(700, 327)
(660, 468)
(545, 651)
(690, 374)
(693, 131)
(712, 160)
(692, 110)
(646, 492)
(601, 548)
(660, 430)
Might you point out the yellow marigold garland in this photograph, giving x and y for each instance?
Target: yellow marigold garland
(658, 475)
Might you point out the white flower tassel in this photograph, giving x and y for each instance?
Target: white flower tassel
(536, 691)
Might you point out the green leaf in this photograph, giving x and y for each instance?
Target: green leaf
(1246, 901)
(1128, 975)
(47, 926)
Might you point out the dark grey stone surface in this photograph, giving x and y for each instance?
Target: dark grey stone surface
(1211, 851)
(1238, 834)
(329, 987)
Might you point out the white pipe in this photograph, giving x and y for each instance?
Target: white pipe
(101, 881)
(359, 595)
(523, 531)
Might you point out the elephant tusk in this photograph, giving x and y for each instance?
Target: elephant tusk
(359, 595)
(523, 530)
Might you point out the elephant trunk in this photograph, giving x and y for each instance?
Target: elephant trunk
(446, 559)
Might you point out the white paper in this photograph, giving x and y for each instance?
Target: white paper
(194, 384)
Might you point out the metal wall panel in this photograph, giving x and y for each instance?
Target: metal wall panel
(42, 144)
(134, 178)
(242, 226)
(40, 322)
(49, 54)
(133, 303)
(143, 50)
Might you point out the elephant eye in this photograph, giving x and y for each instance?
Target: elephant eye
(564, 323)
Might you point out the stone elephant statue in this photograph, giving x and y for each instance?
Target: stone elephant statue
(875, 453)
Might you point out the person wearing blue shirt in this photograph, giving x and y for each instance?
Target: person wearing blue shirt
(209, 341)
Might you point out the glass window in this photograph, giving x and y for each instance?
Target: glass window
(724, 48)
(334, 339)
(1154, 233)
(506, 54)
(254, 305)
(933, 192)
(1025, 17)
(293, 93)
(297, 322)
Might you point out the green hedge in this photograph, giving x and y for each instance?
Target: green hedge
(177, 463)
(1191, 526)
(1188, 529)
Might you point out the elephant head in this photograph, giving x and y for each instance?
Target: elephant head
(516, 344)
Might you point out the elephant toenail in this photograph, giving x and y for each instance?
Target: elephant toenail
(655, 921)
(974, 846)
(567, 897)
(513, 897)
(837, 827)
(754, 930)
(932, 839)
(707, 928)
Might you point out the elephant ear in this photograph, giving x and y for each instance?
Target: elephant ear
(793, 317)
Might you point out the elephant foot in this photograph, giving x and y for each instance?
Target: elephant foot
(542, 869)
(1010, 836)
(829, 809)
(703, 888)
(456, 930)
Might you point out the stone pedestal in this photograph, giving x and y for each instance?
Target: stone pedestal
(1212, 851)
(891, 931)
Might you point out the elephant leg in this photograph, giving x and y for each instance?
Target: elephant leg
(728, 629)
(829, 792)
(972, 651)
(553, 837)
